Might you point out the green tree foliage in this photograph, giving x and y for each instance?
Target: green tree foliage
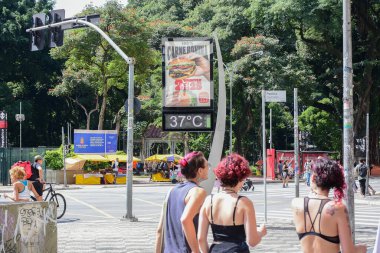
(85, 51)
(324, 131)
(27, 76)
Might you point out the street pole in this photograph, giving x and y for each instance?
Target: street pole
(64, 157)
(270, 128)
(20, 132)
(129, 175)
(264, 153)
(68, 133)
(348, 134)
(231, 108)
(367, 154)
(296, 149)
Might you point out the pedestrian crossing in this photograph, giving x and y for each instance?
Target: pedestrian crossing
(279, 205)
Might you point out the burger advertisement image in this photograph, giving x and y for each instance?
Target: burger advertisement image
(187, 72)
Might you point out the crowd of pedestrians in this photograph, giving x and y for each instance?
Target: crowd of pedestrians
(321, 223)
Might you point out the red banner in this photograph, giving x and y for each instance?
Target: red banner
(3, 124)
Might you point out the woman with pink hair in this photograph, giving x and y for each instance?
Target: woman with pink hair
(322, 224)
(232, 217)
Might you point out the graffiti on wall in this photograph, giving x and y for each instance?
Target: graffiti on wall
(28, 227)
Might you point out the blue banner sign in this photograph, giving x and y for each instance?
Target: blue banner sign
(95, 141)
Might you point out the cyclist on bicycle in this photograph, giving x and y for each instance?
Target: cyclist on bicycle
(21, 187)
(37, 177)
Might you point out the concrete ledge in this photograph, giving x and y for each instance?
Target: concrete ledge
(28, 227)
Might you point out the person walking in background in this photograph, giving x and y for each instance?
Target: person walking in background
(21, 187)
(279, 167)
(183, 204)
(115, 169)
(307, 168)
(322, 224)
(285, 174)
(232, 217)
(37, 177)
(373, 192)
(362, 170)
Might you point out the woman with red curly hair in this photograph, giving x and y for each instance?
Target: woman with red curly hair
(234, 228)
(180, 222)
(322, 224)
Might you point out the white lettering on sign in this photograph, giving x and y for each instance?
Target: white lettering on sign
(275, 96)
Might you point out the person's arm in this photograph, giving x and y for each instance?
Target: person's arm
(40, 174)
(344, 231)
(196, 198)
(159, 234)
(203, 227)
(15, 194)
(32, 189)
(253, 234)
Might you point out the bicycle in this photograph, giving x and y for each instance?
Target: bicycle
(57, 198)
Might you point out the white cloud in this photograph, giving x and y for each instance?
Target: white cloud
(73, 7)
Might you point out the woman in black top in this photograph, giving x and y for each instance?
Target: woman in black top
(234, 228)
(322, 224)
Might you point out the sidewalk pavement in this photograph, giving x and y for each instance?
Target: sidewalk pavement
(116, 236)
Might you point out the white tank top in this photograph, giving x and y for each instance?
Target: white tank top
(24, 194)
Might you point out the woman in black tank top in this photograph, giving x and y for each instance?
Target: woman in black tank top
(321, 223)
(229, 227)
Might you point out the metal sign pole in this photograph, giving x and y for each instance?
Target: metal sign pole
(367, 154)
(20, 132)
(64, 157)
(129, 173)
(270, 128)
(348, 133)
(296, 150)
(264, 153)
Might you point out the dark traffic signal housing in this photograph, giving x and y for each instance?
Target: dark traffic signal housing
(38, 38)
(56, 33)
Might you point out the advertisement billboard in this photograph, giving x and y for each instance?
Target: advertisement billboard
(187, 72)
(95, 141)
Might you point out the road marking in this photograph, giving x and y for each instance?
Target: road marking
(90, 206)
(85, 215)
(146, 201)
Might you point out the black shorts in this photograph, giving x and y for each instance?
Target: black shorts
(38, 187)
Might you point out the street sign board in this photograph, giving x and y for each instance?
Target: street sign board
(275, 96)
(20, 117)
(95, 141)
(3, 130)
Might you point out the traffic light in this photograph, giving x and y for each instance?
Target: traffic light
(38, 37)
(56, 33)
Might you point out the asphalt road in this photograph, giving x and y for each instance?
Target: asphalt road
(109, 202)
(96, 211)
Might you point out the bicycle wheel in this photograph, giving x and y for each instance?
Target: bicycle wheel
(61, 204)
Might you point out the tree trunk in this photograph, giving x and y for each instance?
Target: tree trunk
(374, 154)
(102, 112)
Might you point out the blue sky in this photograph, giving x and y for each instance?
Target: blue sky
(73, 7)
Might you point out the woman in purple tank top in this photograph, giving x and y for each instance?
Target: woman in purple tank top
(184, 203)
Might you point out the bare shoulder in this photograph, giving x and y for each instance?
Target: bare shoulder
(297, 203)
(336, 208)
(245, 202)
(198, 192)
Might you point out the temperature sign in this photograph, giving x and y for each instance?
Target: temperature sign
(188, 121)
